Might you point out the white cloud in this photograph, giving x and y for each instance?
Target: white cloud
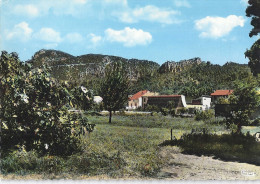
(73, 37)
(182, 3)
(48, 35)
(58, 7)
(2, 2)
(216, 27)
(149, 13)
(95, 39)
(129, 36)
(20, 31)
(28, 10)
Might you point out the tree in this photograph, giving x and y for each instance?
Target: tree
(253, 10)
(245, 100)
(33, 110)
(254, 57)
(114, 87)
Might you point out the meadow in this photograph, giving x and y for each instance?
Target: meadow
(127, 148)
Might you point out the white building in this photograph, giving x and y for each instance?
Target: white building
(202, 103)
(98, 99)
(136, 101)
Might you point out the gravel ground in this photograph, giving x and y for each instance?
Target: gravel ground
(189, 167)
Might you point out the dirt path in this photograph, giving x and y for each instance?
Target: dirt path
(189, 167)
(180, 167)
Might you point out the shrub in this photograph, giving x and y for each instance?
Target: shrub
(183, 110)
(20, 162)
(237, 147)
(152, 108)
(164, 111)
(34, 109)
(172, 112)
(204, 115)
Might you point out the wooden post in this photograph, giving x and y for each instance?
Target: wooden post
(204, 131)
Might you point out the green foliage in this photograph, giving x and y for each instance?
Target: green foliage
(183, 110)
(230, 147)
(152, 108)
(256, 122)
(196, 81)
(164, 111)
(89, 163)
(114, 87)
(223, 100)
(204, 115)
(254, 57)
(254, 53)
(253, 11)
(245, 100)
(81, 98)
(33, 110)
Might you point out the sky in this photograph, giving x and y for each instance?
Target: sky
(156, 30)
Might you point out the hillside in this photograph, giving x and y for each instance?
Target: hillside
(67, 67)
(191, 77)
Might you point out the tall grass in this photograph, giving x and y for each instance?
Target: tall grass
(138, 147)
(159, 121)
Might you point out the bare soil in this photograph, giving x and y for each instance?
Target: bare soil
(190, 167)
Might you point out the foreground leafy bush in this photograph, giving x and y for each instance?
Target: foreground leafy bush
(34, 110)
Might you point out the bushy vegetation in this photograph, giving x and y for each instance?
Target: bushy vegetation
(243, 103)
(88, 163)
(232, 147)
(199, 80)
(34, 110)
(204, 115)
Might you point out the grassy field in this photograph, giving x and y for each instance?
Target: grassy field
(159, 121)
(126, 148)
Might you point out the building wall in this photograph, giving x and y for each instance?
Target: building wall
(164, 101)
(133, 104)
(205, 101)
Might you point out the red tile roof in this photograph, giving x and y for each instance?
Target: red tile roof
(222, 93)
(138, 95)
(165, 96)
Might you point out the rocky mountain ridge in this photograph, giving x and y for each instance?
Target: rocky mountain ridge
(173, 67)
(67, 67)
